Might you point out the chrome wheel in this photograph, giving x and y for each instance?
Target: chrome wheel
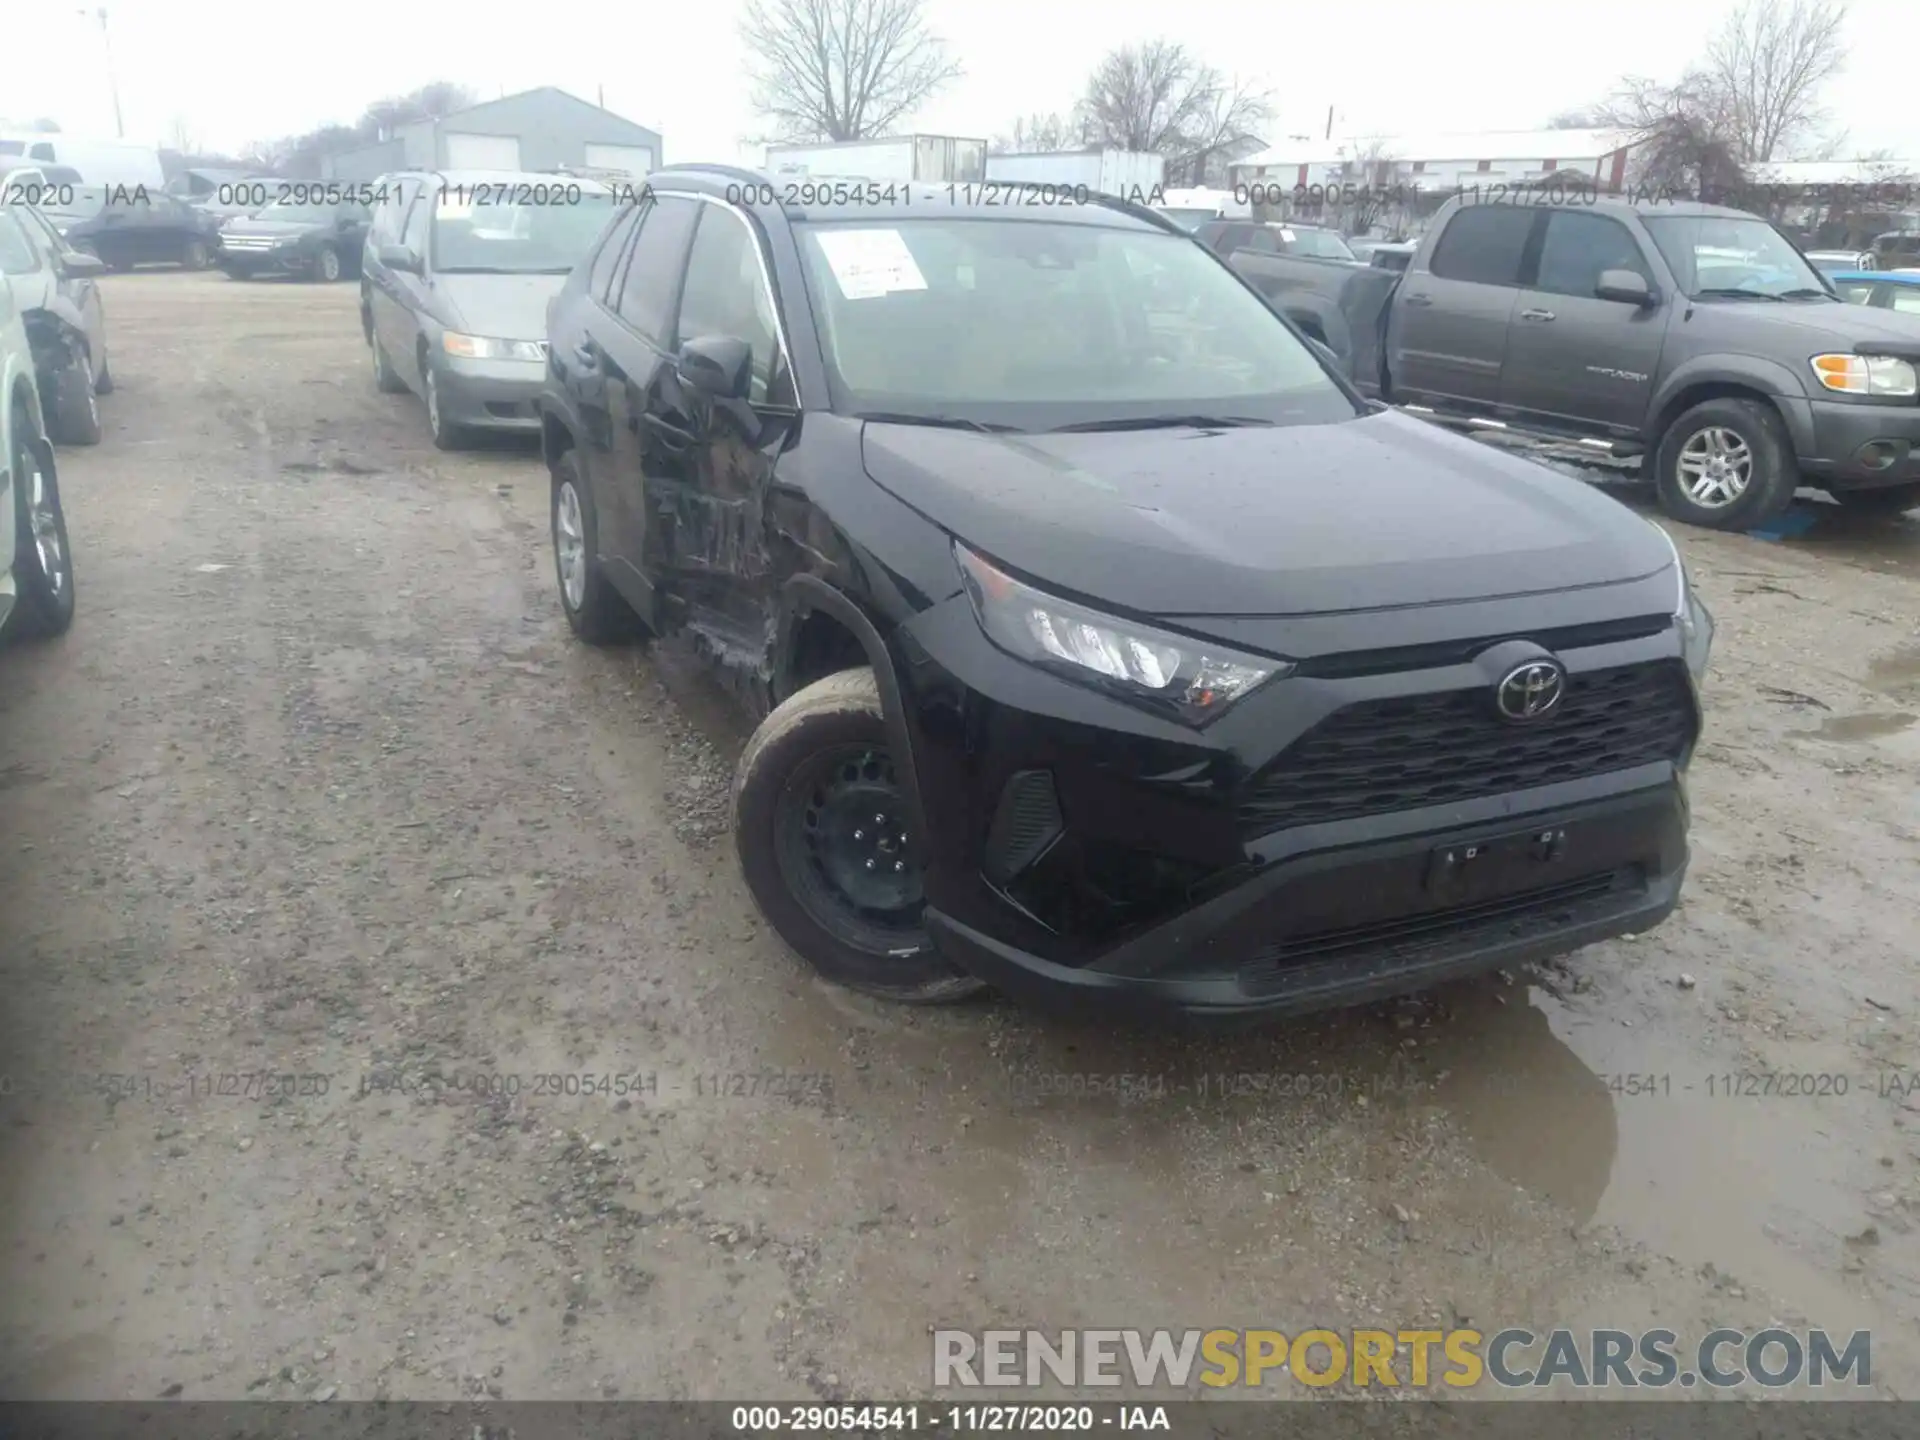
(49, 541)
(1716, 465)
(570, 545)
(329, 265)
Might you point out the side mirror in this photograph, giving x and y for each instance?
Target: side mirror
(1625, 287)
(398, 257)
(76, 263)
(717, 366)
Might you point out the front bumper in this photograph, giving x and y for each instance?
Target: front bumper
(1263, 950)
(1860, 445)
(291, 259)
(492, 394)
(1145, 877)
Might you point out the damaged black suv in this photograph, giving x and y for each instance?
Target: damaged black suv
(1110, 648)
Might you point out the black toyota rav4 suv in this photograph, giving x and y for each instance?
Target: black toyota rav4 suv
(1109, 647)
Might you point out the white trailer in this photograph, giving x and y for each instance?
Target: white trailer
(927, 158)
(1129, 174)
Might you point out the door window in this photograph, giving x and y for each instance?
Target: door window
(725, 294)
(653, 272)
(1579, 247)
(1905, 298)
(17, 253)
(414, 237)
(607, 259)
(1484, 244)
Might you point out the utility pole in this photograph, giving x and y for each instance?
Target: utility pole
(1329, 122)
(113, 84)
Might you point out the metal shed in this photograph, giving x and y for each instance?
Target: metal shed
(542, 129)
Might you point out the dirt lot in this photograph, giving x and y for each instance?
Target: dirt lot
(319, 785)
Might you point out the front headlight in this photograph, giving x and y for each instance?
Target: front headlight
(1194, 680)
(480, 347)
(1690, 616)
(1866, 375)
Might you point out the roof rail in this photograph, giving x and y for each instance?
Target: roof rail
(732, 172)
(1136, 210)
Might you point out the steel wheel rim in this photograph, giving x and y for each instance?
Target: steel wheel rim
(570, 545)
(433, 401)
(841, 835)
(329, 265)
(93, 397)
(1715, 467)
(43, 518)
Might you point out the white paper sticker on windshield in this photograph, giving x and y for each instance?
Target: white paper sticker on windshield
(866, 263)
(1287, 235)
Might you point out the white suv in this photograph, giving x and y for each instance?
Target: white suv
(36, 572)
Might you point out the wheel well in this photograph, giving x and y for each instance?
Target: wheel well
(555, 438)
(821, 646)
(1698, 395)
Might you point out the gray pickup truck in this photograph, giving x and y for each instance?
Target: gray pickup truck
(1692, 337)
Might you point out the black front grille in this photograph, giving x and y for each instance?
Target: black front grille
(1381, 756)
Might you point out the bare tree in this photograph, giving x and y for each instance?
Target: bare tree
(842, 69)
(1684, 136)
(1157, 97)
(1588, 119)
(1370, 171)
(429, 102)
(181, 136)
(1052, 131)
(1769, 64)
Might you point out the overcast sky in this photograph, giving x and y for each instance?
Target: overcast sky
(232, 72)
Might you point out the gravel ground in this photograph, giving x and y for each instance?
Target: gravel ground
(318, 786)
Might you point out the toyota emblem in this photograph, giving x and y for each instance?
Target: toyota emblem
(1531, 691)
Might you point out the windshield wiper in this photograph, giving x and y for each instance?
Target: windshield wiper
(1806, 292)
(1728, 293)
(944, 422)
(1165, 422)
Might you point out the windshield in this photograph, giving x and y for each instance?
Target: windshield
(74, 202)
(509, 234)
(1032, 325)
(1722, 257)
(1321, 243)
(302, 210)
(1190, 219)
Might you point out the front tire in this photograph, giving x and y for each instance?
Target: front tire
(820, 827)
(195, 256)
(326, 265)
(42, 564)
(594, 609)
(1891, 502)
(446, 435)
(76, 408)
(1726, 464)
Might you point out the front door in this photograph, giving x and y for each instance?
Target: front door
(711, 511)
(635, 355)
(1574, 360)
(1450, 316)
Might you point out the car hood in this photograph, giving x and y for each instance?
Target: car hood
(504, 307)
(277, 229)
(1373, 513)
(1815, 322)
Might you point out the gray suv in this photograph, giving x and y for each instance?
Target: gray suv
(455, 280)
